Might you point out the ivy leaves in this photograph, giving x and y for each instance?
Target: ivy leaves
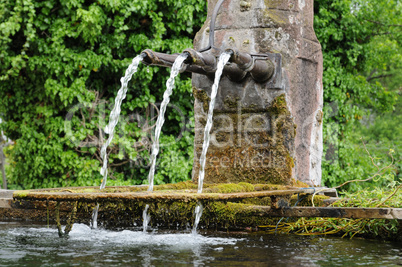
(61, 63)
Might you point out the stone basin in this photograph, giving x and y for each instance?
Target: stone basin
(228, 206)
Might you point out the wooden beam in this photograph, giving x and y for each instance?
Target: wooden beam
(65, 195)
(331, 212)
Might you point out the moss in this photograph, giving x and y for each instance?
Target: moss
(271, 4)
(203, 97)
(267, 187)
(274, 15)
(20, 194)
(306, 200)
(265, 201)
(109, 189)
(269, 159)
(177, 186)
(169, 213)
(230, 188)
(279, 106)
(297, 183)
(232, 102)
(233, 216)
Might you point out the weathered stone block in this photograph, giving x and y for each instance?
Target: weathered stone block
(263, 133)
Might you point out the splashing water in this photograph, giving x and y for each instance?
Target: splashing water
(177, 65)
(113, 120)
(223, 59)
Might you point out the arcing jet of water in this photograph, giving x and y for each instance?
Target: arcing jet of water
(113, 120)
(177, 65)
(223, 59)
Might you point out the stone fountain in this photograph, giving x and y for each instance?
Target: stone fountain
(268, 115)
(266, 140)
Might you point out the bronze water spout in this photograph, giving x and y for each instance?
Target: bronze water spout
(260, 67)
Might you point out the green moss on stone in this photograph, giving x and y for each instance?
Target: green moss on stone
(230, 188)
(203, 97)
(279, 106)
(306, 200)
(20, 194)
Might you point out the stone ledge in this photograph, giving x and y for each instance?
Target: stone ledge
(4, 193)
(5, 203)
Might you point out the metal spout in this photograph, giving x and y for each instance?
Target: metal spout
(243, 60)
(152, 58)
(240, 64)
(158, 59)
(260, 68)
(206, 60)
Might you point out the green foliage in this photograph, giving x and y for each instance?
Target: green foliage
(388, 196)
(61, 63)
(361, 43)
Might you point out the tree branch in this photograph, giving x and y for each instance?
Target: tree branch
(383, 24)
(378, 77)
(371, 74)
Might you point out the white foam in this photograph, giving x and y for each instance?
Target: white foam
(82, 232)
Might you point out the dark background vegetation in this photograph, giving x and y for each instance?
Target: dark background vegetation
(60, 69)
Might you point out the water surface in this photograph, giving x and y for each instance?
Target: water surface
(37, 245)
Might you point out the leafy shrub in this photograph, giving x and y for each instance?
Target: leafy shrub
(362, 64)
(61, 62)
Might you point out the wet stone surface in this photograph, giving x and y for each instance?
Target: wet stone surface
(284, 29)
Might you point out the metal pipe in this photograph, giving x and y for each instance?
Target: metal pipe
(151, 58)
(158, 59)
(212, 27)
(263, 70)
(243, 60)
(206, 61)
(260, 68)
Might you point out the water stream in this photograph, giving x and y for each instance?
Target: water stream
(177, 65)
(115, 114)
(113, 120)
(145, 218)
(223, 59)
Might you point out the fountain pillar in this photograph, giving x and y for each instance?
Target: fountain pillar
(271, 131)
